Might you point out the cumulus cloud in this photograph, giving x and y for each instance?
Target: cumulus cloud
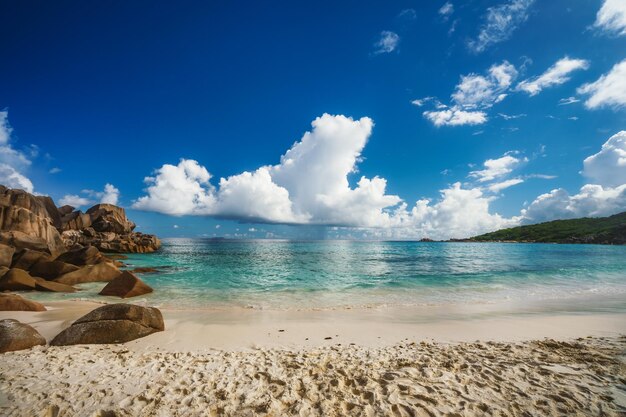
(482, 91)
(497, 168)
(455, 117)
(555, 75)
(499, 24)
(604, 197)
(611, 17)
(608, 167)
(607, 91)
(387, 43)
(13, 163)
(472, 96)
(74, 200)
(309, 185)
(110, 195)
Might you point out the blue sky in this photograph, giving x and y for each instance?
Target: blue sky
(112, 93)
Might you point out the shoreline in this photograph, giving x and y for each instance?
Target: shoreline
(240, 329)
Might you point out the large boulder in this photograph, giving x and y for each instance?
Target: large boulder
(13, 302)
(75, 220)
(6, 255)
(24, 213)
(125, 286)
(18, 336)
(51, 208)
(51, 269)
(17, 280)
(51, 286)
(110, 218)
(113, 323)
(27, 258)
(102, 272)
(89, 255)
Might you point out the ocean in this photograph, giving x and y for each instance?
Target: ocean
(283, 274)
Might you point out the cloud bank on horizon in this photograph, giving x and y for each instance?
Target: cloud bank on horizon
(311, 185)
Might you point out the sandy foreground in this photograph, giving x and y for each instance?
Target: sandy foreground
(396, 362)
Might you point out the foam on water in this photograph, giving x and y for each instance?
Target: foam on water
(335, 274)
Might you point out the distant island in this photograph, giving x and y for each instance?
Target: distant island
(602, 230)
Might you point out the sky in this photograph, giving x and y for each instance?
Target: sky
(342, 119)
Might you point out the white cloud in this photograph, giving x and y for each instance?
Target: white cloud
(592, 201)
(609, 90)
(555, 75)
(54, 170)
(13, 179)
(387, 43)
(175, 226)
(496, 168)
(604, 197)
(13, 163)
(568, 100)
(499, 186)
(408, 14)
(612, 17)
(447, 9)
(75, 201)
(474, 94)
(478, 91)
(500, 23)
(455, 117)
(310, 185)
(110, 195)
(511, 116)
(608, 167)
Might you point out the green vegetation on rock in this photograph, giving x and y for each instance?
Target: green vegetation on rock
(602, 230)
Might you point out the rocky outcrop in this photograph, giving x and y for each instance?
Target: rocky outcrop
(6, 255)
(51, 286)
(27, 258)
(88, 255)
(18, 336)
(52, 269)
(106, 227)
(125, 286)
(113, 323)
(17, 280)
(26, 223)
(13, 302)
(102, 272)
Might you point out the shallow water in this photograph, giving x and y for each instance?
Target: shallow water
(202, 273)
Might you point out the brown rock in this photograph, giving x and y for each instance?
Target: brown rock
(17, 280)
(27, 258)
(110, 218)
(3, 270)
(113, 323)
(66, 209)
(89, 255)
(18, 336)
(43, 285)
(51, 269)
(76, 220)
(13, 302)
(145, 270)
(51, 208)
(25, 214)
(6, 255)
(125, 286)
(102, 272)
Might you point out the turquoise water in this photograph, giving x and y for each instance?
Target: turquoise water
(326, 274)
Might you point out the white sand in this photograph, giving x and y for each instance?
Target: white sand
(240, 363)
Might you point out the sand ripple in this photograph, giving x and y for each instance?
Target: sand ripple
(586, 377)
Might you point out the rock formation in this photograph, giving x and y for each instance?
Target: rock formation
(18, 336)
(26, 224)
(106, 227)
(125, 286)
(113, 323)
(13, 302)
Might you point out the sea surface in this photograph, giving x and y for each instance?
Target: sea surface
(282, 274)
